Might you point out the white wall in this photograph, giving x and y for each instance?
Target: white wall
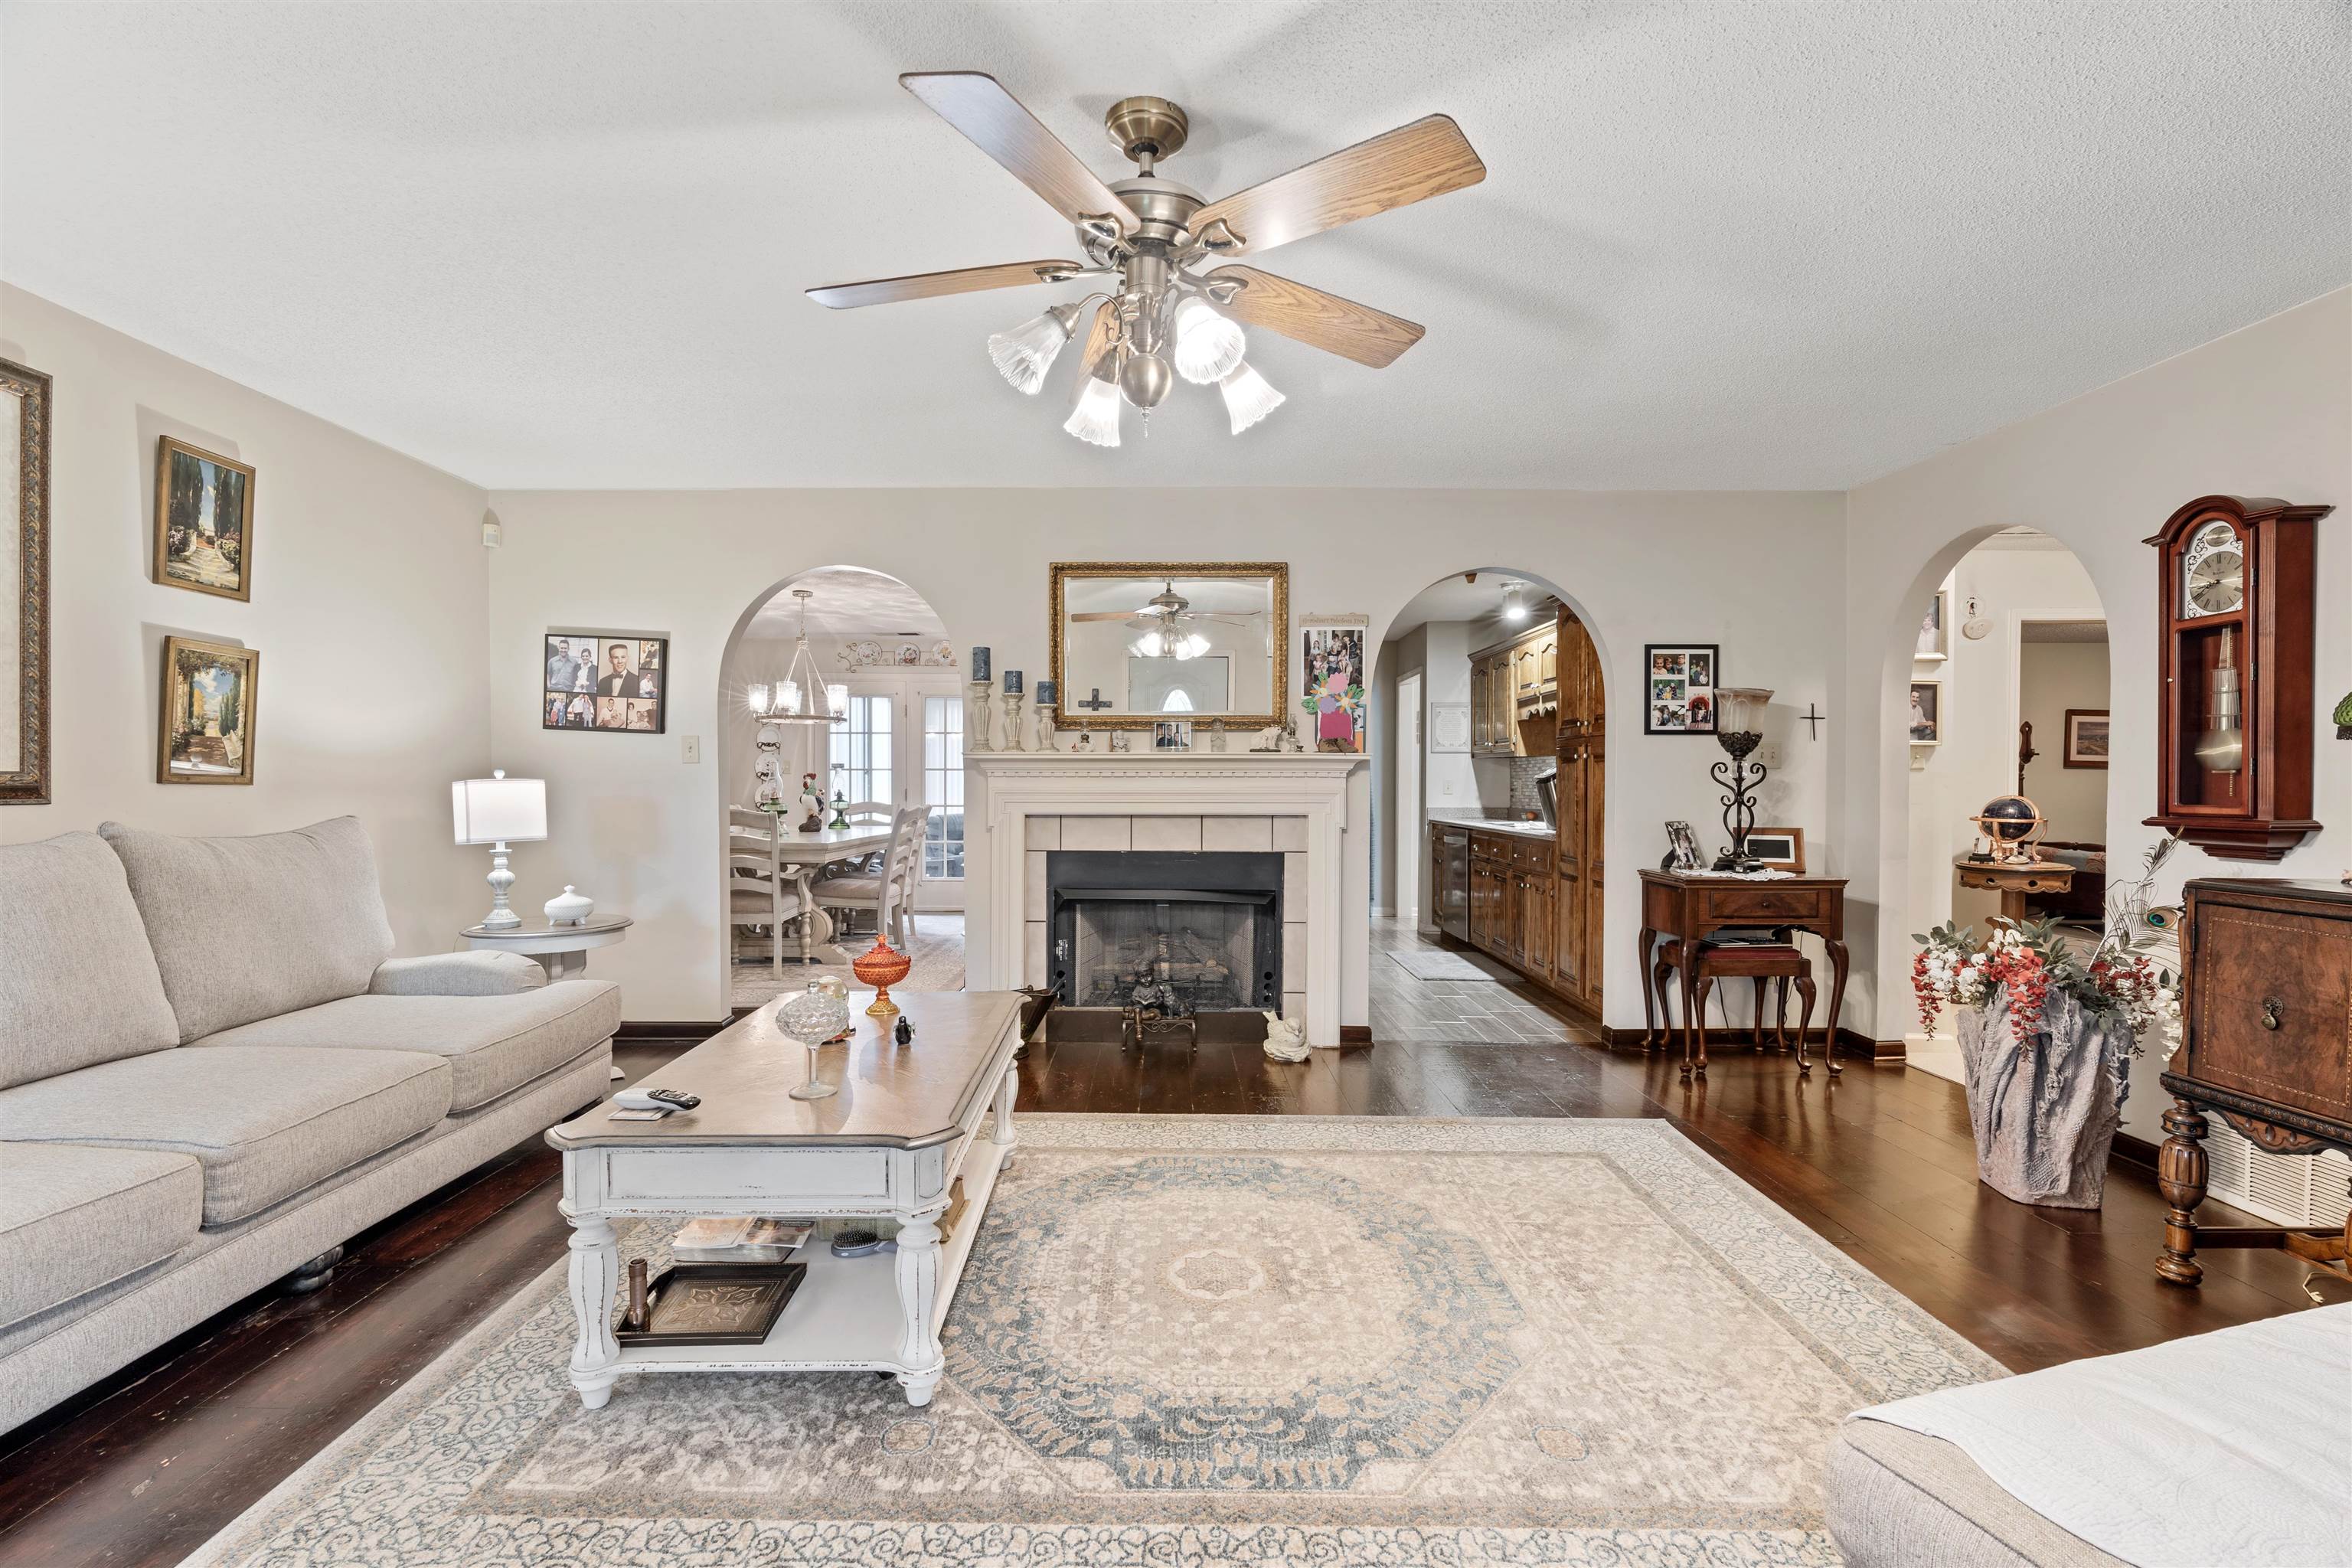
(638, 828)
(370, 609)
(2266, 411)
(2052, 677)
(1977, 758)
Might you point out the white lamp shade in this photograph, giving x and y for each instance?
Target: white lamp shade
(1739, 709)
(499, 810)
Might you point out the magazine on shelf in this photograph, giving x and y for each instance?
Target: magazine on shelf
(738, 1238)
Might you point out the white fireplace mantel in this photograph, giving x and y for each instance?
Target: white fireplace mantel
(1004, 789)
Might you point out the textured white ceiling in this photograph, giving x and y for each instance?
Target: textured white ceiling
(1718, 246)
(847, 602)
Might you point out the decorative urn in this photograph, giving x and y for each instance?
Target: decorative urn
(881, 966)
(570, 908)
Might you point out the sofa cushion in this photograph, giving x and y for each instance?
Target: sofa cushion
(264, 1122)
(72, 1219)
(249, 927)
(492, 1044)
(489, 974)
(78, 980)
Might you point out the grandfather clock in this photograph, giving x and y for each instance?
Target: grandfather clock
(2235, 591)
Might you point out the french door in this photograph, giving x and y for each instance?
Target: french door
(902, 742)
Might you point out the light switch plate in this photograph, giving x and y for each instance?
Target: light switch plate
(692, 750)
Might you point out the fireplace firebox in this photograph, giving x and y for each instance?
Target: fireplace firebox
(1176, 934)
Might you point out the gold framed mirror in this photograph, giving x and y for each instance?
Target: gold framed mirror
(1135, 642)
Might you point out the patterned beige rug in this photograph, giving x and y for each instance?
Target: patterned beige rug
(1192, 1340)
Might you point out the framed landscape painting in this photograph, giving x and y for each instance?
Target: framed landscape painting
(1678, 682)
(210, 694)
(2086, 738)
(204, 521)
(23, 586)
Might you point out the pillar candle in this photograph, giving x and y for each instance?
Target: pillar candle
(1046, 693)
(1013, 683)
(980, 664)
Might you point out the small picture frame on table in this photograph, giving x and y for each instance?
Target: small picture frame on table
(1171, 734)
(1679, 684)
(2086, 738)
(1780, 849)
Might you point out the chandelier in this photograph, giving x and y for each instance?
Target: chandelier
(801, 698)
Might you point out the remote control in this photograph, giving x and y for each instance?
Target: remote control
(656, 1100)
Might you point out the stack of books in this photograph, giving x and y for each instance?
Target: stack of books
(738, 1238)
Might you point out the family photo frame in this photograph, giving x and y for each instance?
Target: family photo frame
(615, 682)
(1678, 687)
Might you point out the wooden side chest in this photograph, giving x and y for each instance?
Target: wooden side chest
(2266, 1044)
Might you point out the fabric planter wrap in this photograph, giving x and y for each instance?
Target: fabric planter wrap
(2045, 1111)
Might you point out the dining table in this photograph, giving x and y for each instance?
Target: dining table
(797, 856)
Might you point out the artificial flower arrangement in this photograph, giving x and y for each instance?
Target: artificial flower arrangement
(2026, 960)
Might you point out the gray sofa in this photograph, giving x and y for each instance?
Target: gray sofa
(213, 1072)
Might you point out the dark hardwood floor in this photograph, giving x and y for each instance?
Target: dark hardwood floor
(144, 1469)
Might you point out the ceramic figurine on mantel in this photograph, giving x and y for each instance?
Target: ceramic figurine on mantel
(1119, 742)
(1014, 740)
(1086, 741)
(1217, 736)
(1047, 741)
(979, 726)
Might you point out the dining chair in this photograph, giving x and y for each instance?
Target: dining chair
(759, 892)
(888, 890)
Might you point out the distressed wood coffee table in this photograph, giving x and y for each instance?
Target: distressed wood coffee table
(908, 1121)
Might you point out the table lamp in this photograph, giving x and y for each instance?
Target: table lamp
(1738, 726)
(498, 811)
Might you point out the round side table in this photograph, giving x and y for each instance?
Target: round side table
(561, 951)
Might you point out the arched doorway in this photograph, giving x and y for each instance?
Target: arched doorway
(896, 745)
(1996, 684)
(1488, 804)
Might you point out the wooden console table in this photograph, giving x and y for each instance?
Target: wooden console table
(1691, 906)
(2266, 1044)
(908, 1121)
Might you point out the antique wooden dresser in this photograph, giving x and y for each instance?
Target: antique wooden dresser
(2265, 1043)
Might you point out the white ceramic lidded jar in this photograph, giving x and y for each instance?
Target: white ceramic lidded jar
(569, 908)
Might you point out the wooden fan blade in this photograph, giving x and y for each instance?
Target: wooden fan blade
(1318, 320)
(1411, 164)
(927, 285)
(977, 104)
(1107, 615)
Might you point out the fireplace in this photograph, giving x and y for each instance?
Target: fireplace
(1179, 932)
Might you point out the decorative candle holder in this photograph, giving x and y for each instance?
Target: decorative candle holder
(1016, 739)
(978, 724)
(1048, 738)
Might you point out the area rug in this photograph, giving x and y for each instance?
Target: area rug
(937, 949)
(1441, 963)
(1198, 1339)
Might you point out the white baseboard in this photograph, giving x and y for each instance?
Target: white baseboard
(1935, 1055)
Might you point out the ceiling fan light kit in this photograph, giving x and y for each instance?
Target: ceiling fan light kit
(1160, 317)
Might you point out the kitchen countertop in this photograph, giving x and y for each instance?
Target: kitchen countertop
(1517, 827)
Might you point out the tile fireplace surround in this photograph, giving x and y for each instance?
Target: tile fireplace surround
(1028, 804)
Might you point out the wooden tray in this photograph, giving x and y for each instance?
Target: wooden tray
(712, 1304)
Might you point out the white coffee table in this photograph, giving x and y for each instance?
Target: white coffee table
(561, 951)
(910, 1119)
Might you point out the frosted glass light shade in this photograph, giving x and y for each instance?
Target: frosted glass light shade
(836, 699)
(1096, 418)
(1023, 354)
(760, 697)
(499, 810)
(1739, 709)
(1208, 346)
(1248, 397)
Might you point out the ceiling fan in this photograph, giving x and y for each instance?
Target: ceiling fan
(1160, 315)
(1168, 623)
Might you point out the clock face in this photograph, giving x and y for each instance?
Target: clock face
(2212, 573)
